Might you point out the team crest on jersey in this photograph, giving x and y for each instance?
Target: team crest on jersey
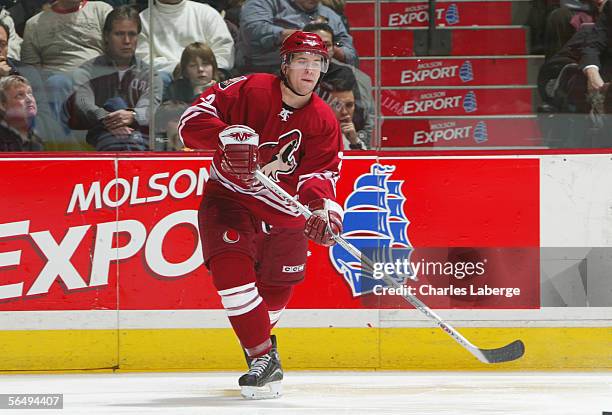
(284, 114)
(374, 222)
(283, 162)
(229, 82)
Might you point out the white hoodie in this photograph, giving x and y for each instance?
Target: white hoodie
(177, 25)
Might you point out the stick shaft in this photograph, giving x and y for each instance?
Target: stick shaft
(418, 304)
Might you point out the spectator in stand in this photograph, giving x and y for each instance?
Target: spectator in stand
(190, 22)
(11, 66)
(46, 124)
(118, 3)
(230, 11)
(218, 5)
(339, 95)
(233, 11)
(65, 36)
(59, 40)
(338, 7)
(264, 24)
(18, 110)
(196, 72)
(22, 10)
(362, 90)
(596, 57)
(14, 39)
(113, 93)
(166, 125)
(536, 21)
(564, 22)
(573, 82)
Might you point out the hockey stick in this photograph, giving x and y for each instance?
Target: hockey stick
(507, 353)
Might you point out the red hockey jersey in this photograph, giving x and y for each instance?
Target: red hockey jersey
(300, 149)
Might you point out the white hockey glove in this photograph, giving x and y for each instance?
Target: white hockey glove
(324, 212)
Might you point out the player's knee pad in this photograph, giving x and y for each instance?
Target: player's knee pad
(276, 298)
(234, 277)
(231, 269)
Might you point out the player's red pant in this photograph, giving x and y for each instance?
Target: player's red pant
(253, 267)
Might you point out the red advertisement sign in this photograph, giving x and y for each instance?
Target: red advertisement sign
(445, 102)
(97, 236)
(425, 72)
(461, 132)
(406, 14)
(469, 42)
(122, 234)
(446, 212)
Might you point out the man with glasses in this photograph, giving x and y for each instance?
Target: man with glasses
(338, 93)
(254, 243)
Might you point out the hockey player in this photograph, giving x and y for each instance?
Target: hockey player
(254, 243)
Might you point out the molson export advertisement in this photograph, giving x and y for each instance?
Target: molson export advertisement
(406, 14)
(443, 102)
(461, 132)
(468, 41)
(106, 233)
(92, 233)
(450, 72)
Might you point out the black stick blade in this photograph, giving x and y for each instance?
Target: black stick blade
(507, 353)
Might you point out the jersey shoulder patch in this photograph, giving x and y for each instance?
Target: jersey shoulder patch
(229, 82)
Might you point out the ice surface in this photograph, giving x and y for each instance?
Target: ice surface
(372, 393)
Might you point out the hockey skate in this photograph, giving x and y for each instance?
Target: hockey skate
(274, 348)
(263, 380)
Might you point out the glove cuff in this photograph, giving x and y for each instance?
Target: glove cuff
(238, 134)
(326, 205)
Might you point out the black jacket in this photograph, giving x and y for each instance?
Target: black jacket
(10, 140)
(597, 47)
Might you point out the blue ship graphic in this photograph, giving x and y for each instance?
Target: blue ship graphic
(469, 102)
(480, 132)
(466, 72)
(452, 15)
(375, 223)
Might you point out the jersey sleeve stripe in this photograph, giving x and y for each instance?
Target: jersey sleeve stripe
(262, 194)
(326, 175)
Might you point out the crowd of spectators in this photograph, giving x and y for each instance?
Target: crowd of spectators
(87, 67)
(82, 68)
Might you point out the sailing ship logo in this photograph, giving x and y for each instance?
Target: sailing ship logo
(375, 223)
(452, 15)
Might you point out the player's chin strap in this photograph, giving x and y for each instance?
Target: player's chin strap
(507, 353)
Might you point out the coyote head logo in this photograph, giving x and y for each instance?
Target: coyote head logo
(283, 162)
